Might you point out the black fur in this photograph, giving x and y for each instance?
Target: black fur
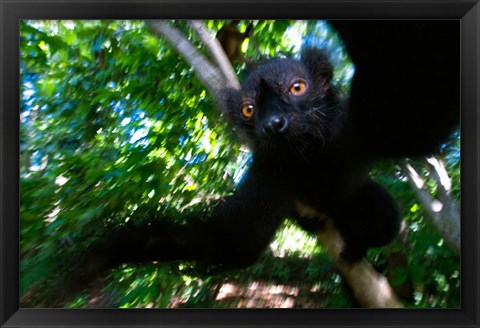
(316, 150)
(405, 95)
(313, 160)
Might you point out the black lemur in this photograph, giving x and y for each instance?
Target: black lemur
(312, 150)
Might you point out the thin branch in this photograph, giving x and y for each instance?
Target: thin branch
(451, 209)
(443, 213)
(206, 71)
(217, 52)
(204, 199)
(440, 174)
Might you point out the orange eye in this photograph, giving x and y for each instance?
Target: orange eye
(298, 88)
(247, 110)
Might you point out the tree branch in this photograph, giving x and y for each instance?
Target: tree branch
(443, 213)
(214, 77)
(440, 174)
(370, 289)
(210, 76)
(217, 52)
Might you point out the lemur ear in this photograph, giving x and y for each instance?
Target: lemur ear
(317, 64)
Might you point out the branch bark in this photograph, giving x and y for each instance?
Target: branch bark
(217, 53)
(371, 289)
(443, 212)
(213, 77)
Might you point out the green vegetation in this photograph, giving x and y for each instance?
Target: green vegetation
(115, 127)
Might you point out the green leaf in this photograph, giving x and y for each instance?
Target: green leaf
(417, 273)
(399, 276)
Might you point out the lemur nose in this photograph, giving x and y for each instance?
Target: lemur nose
(275, 125)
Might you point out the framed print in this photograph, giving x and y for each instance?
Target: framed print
(239, 164)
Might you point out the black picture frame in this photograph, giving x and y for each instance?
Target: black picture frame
(11, 11)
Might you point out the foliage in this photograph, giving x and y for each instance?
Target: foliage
(115, 127)
(419, 258)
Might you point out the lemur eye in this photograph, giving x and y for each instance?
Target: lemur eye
(247, 110)
(298, 88)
